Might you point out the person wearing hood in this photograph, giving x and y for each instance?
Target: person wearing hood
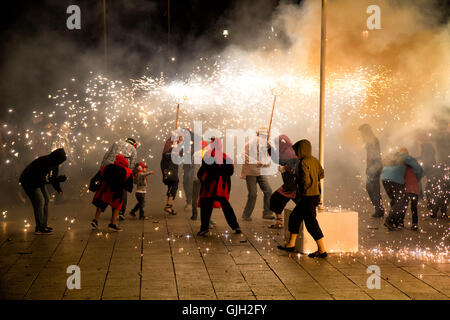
(412, 180)
(196, 183)
(215, 176)
(42, 171)
(127, 148)
(393, 177)
(140, 177)
(113, 180)
(169, 171)
(288, 162)
(253, 174)
(373, 169)
(309, 172)
(188, 170)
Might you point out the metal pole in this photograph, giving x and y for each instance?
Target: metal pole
(322, 92)
(168, 29)
(104, 35)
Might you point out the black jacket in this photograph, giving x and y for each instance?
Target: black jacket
(44, 170)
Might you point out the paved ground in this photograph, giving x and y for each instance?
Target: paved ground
(162, 258)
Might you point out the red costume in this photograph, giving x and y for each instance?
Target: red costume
(115, 178)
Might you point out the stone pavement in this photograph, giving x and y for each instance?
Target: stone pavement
(162, 258)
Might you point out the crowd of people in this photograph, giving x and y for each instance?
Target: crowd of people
(207, 184)
(402, 176)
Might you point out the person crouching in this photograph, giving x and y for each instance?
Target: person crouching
(114, 179)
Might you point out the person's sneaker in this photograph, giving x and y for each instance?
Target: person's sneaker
(378, 215)
(269, 217)
(121, 217)
(237, 231)
(246, 218)
(317, 254)
(400, 226)
(143, 218)
(169, 209)
(389, 226)
(94, 224)
(415, 227)
(194, 217)
(212, 222)
(114, 227)
(49, 228)
(133, 214)
(284, 248)
(187, 207)
(203, 233)
(42, 231)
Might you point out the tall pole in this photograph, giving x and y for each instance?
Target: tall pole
(168, 29)
(323, 38)
(105, 47)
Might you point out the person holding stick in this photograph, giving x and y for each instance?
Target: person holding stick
(252, 173)
(170, 173)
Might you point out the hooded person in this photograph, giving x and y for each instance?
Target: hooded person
(393, 178)
(169, 170)
(196, 183)
(35, 177)
(127, 148)
(288, 162)
(373, 169)
(115, 179)
(140, 177)
(412, 180)
(309, 172)
(215, 176)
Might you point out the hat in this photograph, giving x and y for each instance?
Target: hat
(142, 164)
(132, 141)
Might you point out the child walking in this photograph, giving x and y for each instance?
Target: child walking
(412, 179)
(140, 177)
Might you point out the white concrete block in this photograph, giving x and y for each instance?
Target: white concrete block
(339, 227)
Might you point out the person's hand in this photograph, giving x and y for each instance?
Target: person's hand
(259, 164)
(152, 172)
(282, 169)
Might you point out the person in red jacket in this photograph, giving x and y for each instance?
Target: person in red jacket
(215, 176)
(114, 179)
(412, 189)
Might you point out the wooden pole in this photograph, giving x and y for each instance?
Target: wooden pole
(178, 112)
(271, 117)
(105, 47)
(323, 38)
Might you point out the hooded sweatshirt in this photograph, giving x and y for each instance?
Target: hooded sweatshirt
(309, 171)
(44, 170)
(395, 172)
(288, 159)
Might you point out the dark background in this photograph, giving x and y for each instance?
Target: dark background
(39, 54)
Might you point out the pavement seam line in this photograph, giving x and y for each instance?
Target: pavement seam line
(171, 257)
(34, 280)
(204, 263)
(109, 265)
(81, 257)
